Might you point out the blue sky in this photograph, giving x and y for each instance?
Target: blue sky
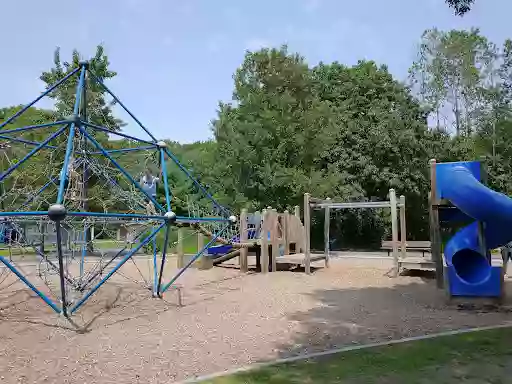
(176, 58)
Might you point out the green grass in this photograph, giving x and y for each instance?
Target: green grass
(189, 246)
(479, 357)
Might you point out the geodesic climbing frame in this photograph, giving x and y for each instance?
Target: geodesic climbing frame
(74, 202)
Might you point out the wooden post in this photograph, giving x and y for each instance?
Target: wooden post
(435, 229)
(180, 251)
(286, 229)
(403, 228)
(394, 231)
(327, 225)
(307, 229)
(264, 242)
(274, 239)
(200, 244)
(296, 213)
(244, 263)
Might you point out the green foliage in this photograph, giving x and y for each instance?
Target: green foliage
(347, 132)
(460, 7)
(272, 137)
(350, 133)
(464, 76)
(31, 171)
(97, 109)
(453, 75)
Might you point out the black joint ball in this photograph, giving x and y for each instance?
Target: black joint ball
(57, 212)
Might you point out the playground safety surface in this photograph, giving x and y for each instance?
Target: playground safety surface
(226, 320)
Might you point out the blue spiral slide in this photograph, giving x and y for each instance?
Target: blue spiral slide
(469, 270)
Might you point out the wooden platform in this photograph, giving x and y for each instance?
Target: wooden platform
(298, 258)
(418, 263)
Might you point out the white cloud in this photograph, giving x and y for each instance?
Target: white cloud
(257, 43)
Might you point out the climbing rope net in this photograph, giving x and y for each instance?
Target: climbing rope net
(77, 204)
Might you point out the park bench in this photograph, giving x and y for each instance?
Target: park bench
(417, 246)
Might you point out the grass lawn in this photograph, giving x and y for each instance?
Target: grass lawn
(189, 246)
(479, 357)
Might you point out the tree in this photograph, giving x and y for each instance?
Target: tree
(33, 172)
(382, 140)
(272, 135)
(350, 133)
(461, 7)
(97, 109)
(452, 76)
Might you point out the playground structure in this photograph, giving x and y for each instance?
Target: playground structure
(274, 238)
(458, 196)
(76, 207)
(81, 207)
(398, 244)
(67, 192)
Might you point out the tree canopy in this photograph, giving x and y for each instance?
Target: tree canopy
(98, 110)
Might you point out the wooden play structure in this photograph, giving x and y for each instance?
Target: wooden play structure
(398, 246)
(281, 239)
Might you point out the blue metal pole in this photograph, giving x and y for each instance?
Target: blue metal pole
(23, 141)
(30, 213)
(39, 98)
(185, 219)
(128, 176)
(197, 256)
(193, 179)
(115, 269)
(29, 284)
(116, 215)
(166, 181)
(30, 127)
(103, 129)
(122, 105)
(71, 137)
(31, 153)
(164, 253)
(145, 148)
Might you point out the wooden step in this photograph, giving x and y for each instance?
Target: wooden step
(417, 263)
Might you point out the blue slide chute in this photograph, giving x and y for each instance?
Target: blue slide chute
(467, 256)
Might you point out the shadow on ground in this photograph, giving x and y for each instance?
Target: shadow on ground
(345, 317)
